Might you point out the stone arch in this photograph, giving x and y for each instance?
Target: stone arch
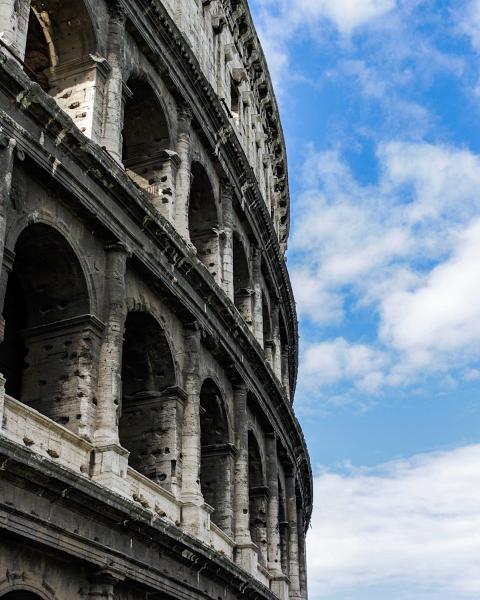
(258, 497)
(146, 143)
(203, 219)
(60, 53)
(216, 464)
(59, 225)
(242, 286)
(51, 341)
(148, 375)
(24, 592)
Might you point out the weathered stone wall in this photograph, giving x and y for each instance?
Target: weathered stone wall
(149, 339)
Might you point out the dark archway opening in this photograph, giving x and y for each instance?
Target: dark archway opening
(48, 351)
(203, 223)
(146, 140)
(21, 595)
(241, 280)
(216, 466)
(147, 373)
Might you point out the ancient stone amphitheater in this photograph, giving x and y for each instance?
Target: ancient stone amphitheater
(148, 445)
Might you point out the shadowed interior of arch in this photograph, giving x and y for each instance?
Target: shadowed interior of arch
(21, 595)
(203, 221)
(147, 371)
(241, 279)
(45, 352)
(216, 465)
(146, 140)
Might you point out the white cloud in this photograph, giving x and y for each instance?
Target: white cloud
(444, 313)
(469, 22)
(337, 360)
(406, 524)
(406, 248)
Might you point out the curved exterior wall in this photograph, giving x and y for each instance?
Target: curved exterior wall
(148, 444)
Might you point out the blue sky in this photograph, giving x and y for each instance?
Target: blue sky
(380, 101)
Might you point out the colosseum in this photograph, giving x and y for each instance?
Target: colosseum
(149, 348)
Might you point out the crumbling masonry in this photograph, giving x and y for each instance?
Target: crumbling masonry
(148, 445)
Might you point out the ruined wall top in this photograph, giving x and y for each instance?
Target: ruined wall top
(223, 38)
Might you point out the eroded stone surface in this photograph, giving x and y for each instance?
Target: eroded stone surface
(148, 444)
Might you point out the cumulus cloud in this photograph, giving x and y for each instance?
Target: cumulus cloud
(406, 247)
(337, 360)
(413, 524)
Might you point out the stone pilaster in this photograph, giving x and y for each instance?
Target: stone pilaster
(269, 351)
(14, 16)
(110, 458)
(7, 149)
(227, 247)
(302, 553)
(274, 556)
(245, 551)
(102, 585)
(286, 371)
(292, 516)
(257, 295)
(277, 346)
(113, 112)
(191, 448)
(184, 170)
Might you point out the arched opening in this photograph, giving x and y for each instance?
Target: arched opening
(146, 140)
(283, 527)
(21, 595)
(216, 465)
(51, 342)
(148, 372)
(60, 44)
(203, 223)
(258, 496)
(242, 287)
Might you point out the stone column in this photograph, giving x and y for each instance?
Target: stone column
(227, 249)
(302, 554)
(286, 371)
(293, 563)
(269, 350)
(245, 550)
(7, 149)
(195, 513)
(277, 346)
(102, 585)
(274, 558)
(184, 171)
(257, 308)
(113, 113)
(14, 16)
(110, 459)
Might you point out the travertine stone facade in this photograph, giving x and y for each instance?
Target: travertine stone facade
(148, 444)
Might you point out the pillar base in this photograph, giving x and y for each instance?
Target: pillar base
(196, 519)
(110, 468)
(279, 586)
(246, 557)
